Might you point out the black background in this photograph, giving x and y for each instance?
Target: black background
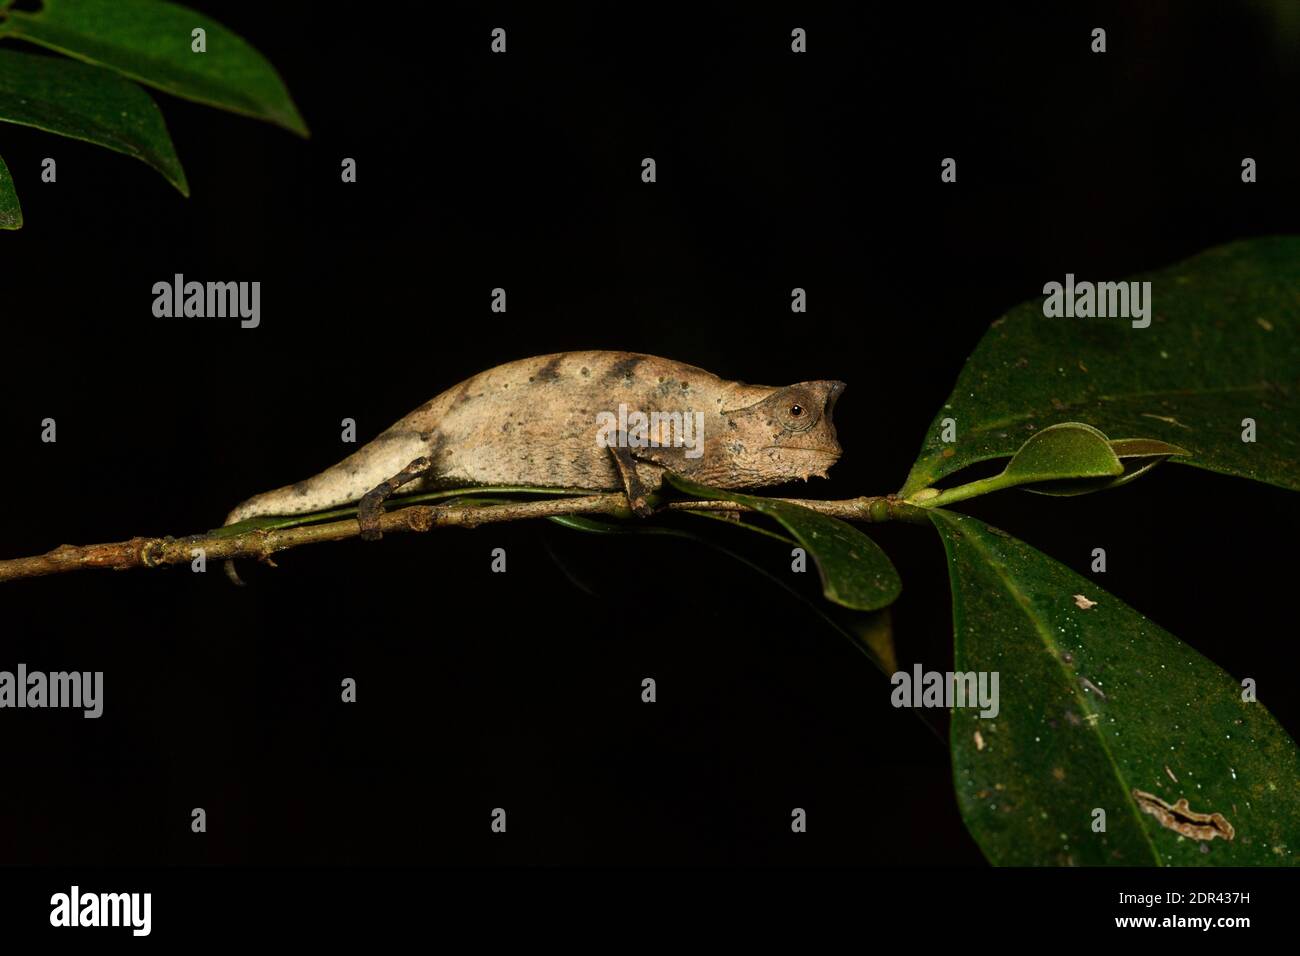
(479, 690)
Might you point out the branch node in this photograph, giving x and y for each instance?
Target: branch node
(151, 550)
(419, 519)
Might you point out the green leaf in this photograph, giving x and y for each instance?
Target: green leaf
(150, 41)
(855, 573)
(1137, 455)
(1098, 705)
(871, 633)
(90, 104)
(1223, 346)
(733, 520)
(1067, 450)
(1144, 448)
(11, 213)
(874, 633)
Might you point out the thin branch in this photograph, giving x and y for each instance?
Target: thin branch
(262, 543)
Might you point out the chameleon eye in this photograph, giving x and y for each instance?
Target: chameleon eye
(796, 413)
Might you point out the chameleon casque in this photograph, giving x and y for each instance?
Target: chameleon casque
(537, 421)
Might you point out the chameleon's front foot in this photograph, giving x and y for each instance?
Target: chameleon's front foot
(632, 486)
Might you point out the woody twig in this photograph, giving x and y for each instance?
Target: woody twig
(261, 543)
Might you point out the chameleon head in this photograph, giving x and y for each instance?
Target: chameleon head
(786, 435)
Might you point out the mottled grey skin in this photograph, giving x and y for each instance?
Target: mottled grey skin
(534, 422)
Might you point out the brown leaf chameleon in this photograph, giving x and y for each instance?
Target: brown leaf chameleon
(570, 421)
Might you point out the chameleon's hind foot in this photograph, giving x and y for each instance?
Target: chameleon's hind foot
(371, 507)
(368, 513)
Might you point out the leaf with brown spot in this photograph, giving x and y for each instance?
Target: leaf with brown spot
(1146, 698)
